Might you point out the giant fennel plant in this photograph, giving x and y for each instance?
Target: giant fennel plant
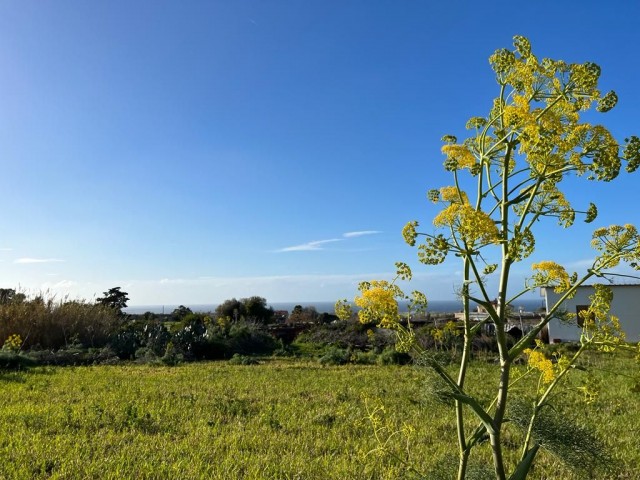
(515, 161)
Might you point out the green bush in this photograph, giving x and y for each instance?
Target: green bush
(390, 356)
(74, 355)
(364, 358)
(10, 360)
(336, 356)
(238, 359)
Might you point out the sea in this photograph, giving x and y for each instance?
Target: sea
(434, 306)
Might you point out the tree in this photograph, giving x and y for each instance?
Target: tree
(256, 309)
(506, 179)
(232, 308)
(301, 314)
(180, 312)
(9, 295)
(116, 299)
(252, 308)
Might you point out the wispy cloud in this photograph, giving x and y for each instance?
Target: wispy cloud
(27, 260)
(310, 246)
(6, 249)
(319, 244)
(360, 233)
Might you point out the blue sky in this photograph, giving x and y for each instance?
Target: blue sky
(191, 152)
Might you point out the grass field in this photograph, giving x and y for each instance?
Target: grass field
(282, 419)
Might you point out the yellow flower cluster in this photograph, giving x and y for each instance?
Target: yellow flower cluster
(452, 194)
(540, 362)
(343, 309)
(550, 274)
(459, 155)
(518, 114)
(616, 243)
(378, 303)
(472, 225)
(409, 233)
(13, 343)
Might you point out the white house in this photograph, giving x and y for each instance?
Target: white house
(625, 305)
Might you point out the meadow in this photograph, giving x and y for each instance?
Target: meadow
(281, 419)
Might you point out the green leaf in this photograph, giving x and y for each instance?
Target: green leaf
(525, 464)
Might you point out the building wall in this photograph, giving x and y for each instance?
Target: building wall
(625, 305)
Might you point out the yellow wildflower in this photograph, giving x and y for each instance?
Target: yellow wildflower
(13, 343)
(550, 274)
(452, 194)
(517, 114)
(378, 303)
(472, 225)
(541, 363)
(343, 309)
(460, 155)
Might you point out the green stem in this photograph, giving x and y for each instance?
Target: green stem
(542, 400)
(464, 363)
(505, 361)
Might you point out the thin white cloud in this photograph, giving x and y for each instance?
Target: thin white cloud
(27, 260)
(360, 233)
(166, 281)
(6, 249)
(319, 244)
(309, 246)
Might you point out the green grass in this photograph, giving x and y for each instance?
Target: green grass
(278, 420)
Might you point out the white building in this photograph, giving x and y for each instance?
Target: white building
(625, 305)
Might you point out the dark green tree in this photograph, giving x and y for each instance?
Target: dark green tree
(9, 295)
(180, 312)
(253, 309)
(116, 299)
(232, 308)
(256, 309)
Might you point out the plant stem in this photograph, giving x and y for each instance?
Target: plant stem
(464, 449)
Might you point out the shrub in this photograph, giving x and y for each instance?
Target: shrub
(248, 338)
(390, 356)
(242, 360)
(52, 324)
(347, 334)
(171, 356)
(127, 340)
(364, 358)
(336, 356)
(75, 355)
(11, 360)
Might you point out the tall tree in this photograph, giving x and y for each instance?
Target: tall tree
(256, 309)
(9, 295)
(253, 308)
(232, 308)
(114, 298)
(506, 178)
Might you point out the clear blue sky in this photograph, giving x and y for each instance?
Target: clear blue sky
(191, 152)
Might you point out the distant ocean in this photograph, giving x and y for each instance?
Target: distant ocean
(435, 306)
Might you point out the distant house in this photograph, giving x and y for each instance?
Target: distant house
(518, 323)
(625, 305)
(280, 316)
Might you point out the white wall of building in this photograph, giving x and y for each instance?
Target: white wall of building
(625, 305)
